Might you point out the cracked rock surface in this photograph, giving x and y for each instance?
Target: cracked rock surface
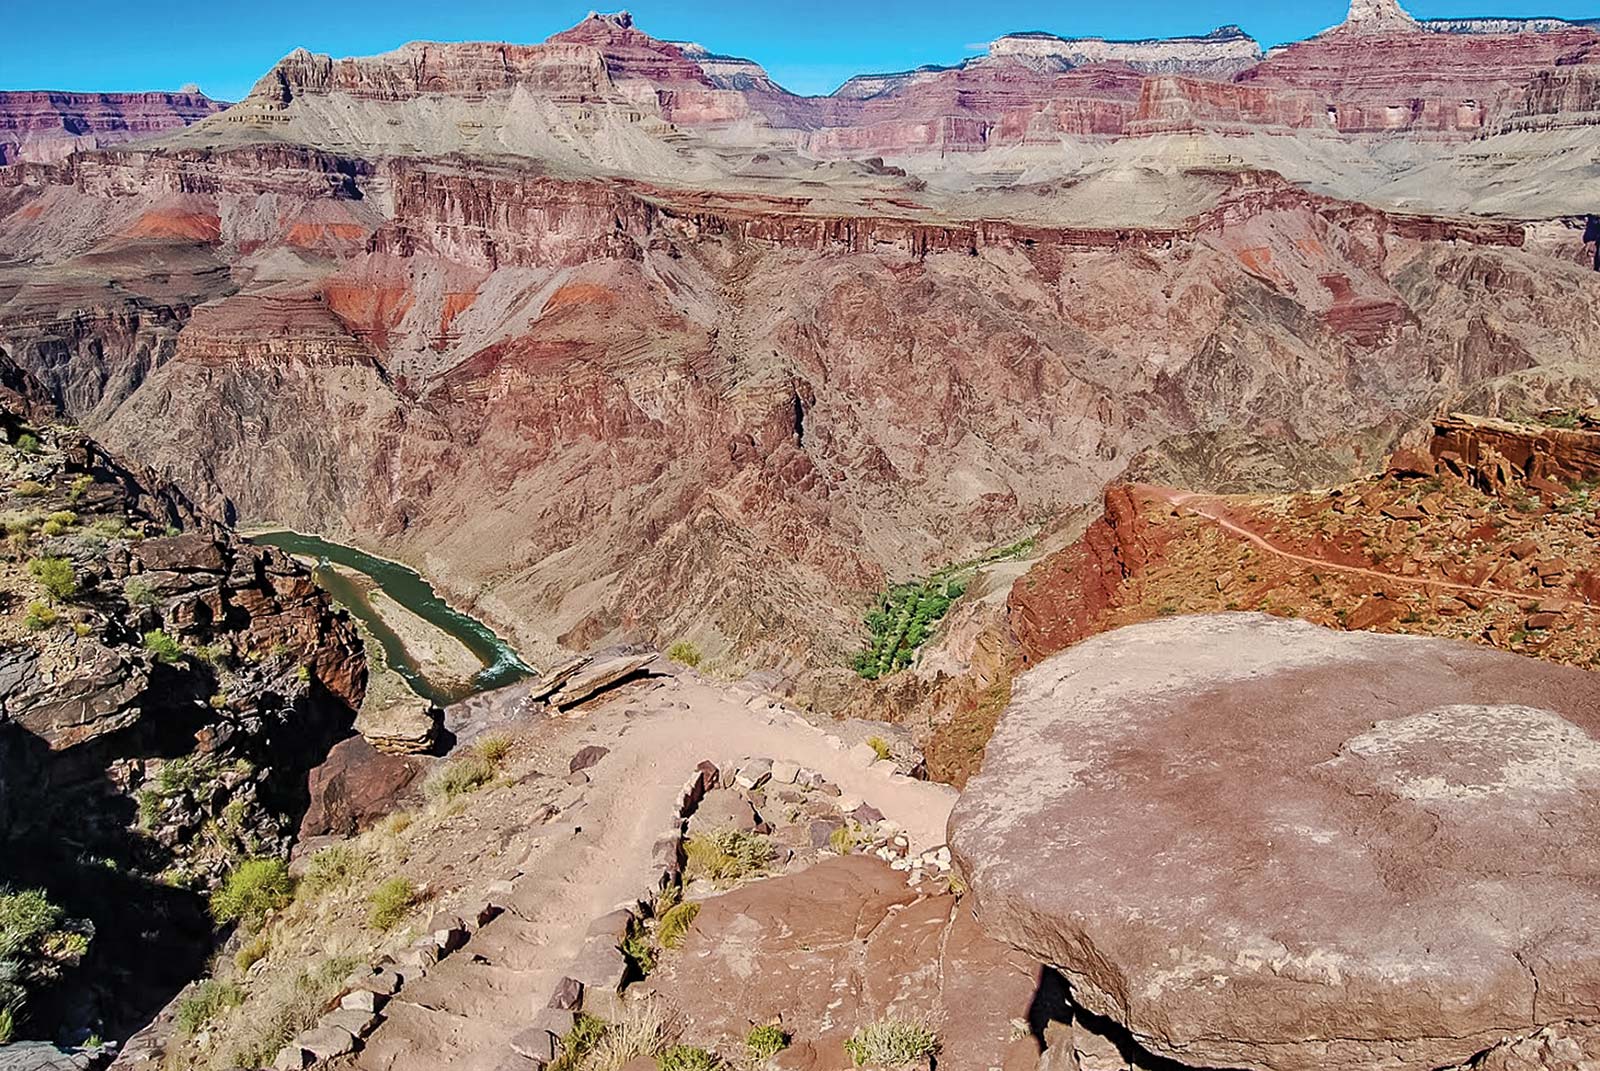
(1261, 844)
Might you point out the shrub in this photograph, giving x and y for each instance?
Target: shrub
(891, 1043)
(211, 998)
(27, 442)
(25, 917)
(254, 889)
(396, 823)
(642, 1030)
(687, 1058)
(458, 777)
(40, 617)
(845, 839)
(880, 747)
(56, 576)
(674, 924)
(586, 1033)
(163, 647)
(336, 865)
(726, 856)
(138, 593)
(36, 942)
(28, 489)
(80, 485)
(638, 951)
(390, 902)
(252, 952)
(280, 1011)
(765, 1042)
(493, 748)
(684, 653)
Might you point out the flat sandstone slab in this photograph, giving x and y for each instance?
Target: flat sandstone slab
(1261, 844)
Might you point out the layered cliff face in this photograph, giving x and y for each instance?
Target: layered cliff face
(605, 98)
(727, 416)
(721, 373)
(45, 127)
(164, 687)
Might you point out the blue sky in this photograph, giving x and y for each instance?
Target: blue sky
(808, 46)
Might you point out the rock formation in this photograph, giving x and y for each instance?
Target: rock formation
(1249, 860)
(44, 127)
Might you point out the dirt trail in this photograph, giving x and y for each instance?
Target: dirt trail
(596, 855)
(1187, 500)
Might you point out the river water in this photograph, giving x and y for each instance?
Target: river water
(406, 586)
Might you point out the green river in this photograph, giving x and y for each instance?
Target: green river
(501, 666)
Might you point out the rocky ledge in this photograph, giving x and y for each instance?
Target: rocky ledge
(1255, 843)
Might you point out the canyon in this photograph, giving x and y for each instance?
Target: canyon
(625, 348)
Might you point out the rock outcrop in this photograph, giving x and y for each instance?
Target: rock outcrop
(1256, 843)
(164, 689)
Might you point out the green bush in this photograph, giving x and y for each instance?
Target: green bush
(41, 615)
(27, 442)
(80, 486)
(684, 653)
(587, 1032)
(674, 924)
(687, 1058)
(638, 951)
(334, 866)
(163, 647)
(880, 747)
(891, 1043)
(211, 998)
(765, 1042)
(725, 856)
(56, 576)
(458, 777)
(253, 890)
(28, 489)
(390, 902)
(845, 839)
(37, 942)
(252, 951)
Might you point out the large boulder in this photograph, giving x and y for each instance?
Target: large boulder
(1257, 843)
(842, 944)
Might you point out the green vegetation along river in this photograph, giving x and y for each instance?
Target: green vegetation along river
(501, 665)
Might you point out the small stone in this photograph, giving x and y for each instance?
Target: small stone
(753, 774)
(326, 1042)
(862, 755)
(568, 995)
(867, 814)
(588, 757)
(358, 1023)
(785, 772)
(600, 965)
(361, 1000)
(292, 1058)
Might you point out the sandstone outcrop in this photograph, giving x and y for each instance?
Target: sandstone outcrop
(1256, 843)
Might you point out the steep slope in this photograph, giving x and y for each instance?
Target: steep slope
(164, 688)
